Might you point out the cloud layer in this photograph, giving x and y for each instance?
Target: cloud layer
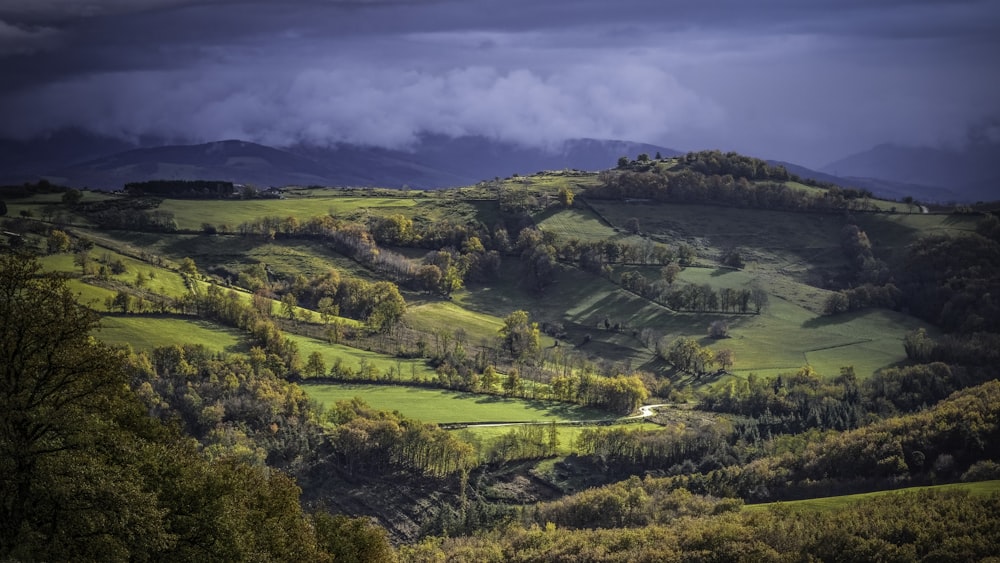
(800, 81)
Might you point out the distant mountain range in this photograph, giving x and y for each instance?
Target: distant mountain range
(928, 174)
(79, 159)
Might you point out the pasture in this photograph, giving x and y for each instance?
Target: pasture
(567, 433)
(192, 214)
(979, 488)
(449, 407)
(354, 358)
(148, 332)
(433, 317)
(578, 223)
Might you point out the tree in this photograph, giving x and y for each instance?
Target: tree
(759, 298)
(725, 358)
(59, 390)
(315, 366)
(81, 259)
(389, 306)
(521, 338)
(513, 385)
(188, 268)
(489, 379)
(72, 197)
(58, 241)
(353, 540)
(328, 309)
(632, 225)
(566, 196)
(428, 277)
(288, 305)
(3, 209)
(670, 272)
(623, 162)
(718, 329)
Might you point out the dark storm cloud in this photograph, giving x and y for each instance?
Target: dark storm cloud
(781, 78)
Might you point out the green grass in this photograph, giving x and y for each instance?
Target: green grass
(405, 369)
(441, 406)
(568, 433)
(434, 316)
(90, 295)
(980, 488)
(146, 333)
(191, 214)
(580, 224)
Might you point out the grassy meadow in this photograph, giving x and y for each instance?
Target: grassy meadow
(146, 333)
(567, 433)
(191, 214)
(404, 369)
(979, 488)
(449, 407)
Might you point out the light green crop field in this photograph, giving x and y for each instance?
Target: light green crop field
(441, 406)
(146, 333)
(435, 316)
(567, 433)
(404, 369)
(551, 181)
(191, 214)
(286, 257)
(89, 295)
(289, 258)
(578, 223)
(979, 488)
(58, 263)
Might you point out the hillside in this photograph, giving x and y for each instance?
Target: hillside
(609, 353)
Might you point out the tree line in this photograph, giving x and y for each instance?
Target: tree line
(731, 179)
(924, 526)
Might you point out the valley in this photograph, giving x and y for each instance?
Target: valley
(493, 350)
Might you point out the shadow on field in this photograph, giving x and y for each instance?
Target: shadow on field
(831, 320)
(565, 410)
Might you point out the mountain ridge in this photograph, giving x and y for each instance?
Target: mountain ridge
(437, 161)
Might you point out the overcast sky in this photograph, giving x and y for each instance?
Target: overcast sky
(802, 80)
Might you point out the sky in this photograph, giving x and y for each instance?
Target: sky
(796, 80)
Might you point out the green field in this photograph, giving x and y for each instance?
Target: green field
(579, 224)
(568, 433)
(433, 316)
(440, 406)
(404, 369)
(146, 333)
(979, 488)
(191, 214)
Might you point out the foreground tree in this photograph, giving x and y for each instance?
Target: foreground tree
(55, 383)
(87, 475)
